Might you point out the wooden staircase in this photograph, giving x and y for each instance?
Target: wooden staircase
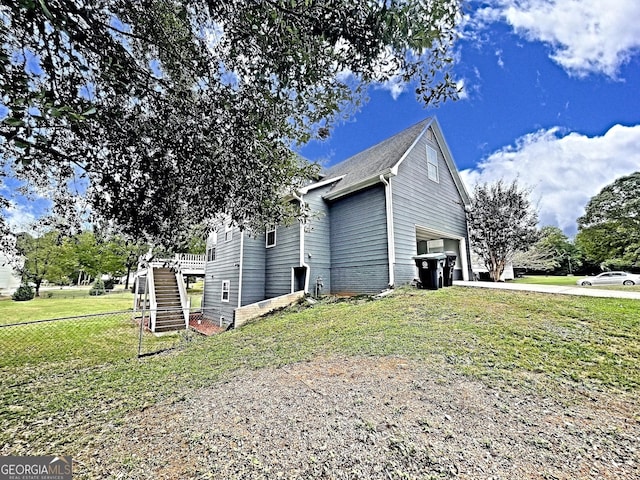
(169, 314)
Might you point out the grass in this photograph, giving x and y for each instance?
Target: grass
(547, 280)
(567, 281)
(72, 302)
(529, 339)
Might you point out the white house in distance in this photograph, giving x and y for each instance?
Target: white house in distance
(9, 279)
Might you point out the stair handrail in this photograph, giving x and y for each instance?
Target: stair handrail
(153, 303)
(175, 266)
(184, 299)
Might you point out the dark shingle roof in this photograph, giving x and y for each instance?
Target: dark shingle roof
(375, 160)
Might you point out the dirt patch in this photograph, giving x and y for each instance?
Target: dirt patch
(374, 418)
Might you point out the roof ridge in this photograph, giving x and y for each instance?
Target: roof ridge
(393, 137)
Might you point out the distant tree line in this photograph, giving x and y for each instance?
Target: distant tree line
(46, 254)
(502, 228)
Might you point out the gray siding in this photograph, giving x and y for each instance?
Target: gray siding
(359, 254)
(418, 200)
(253, 271)
(281, 259)
(222, 268)
(318, 240)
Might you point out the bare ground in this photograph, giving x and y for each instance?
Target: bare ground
(374, 418)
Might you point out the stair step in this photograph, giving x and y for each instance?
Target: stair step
(169, 328)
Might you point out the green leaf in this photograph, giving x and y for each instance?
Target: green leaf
(14, 122)
(46, 10)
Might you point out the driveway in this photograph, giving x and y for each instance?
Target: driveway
(563, 290)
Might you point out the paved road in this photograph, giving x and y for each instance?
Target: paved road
(563, 290)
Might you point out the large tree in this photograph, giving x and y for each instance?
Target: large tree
(552, 252)
(164, 113)
(501, 222)
(609, 230)
(41, 256)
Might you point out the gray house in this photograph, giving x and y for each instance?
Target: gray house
(370, 215)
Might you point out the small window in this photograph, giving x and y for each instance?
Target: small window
(226, 287)
(228, 232)
(271, 236)
(432, 164)
(211, 254)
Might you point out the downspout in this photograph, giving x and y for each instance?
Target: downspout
(391, 248)
(302, 262)
(241, 268)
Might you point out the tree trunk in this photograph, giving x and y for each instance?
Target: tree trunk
(126, 283)
(497, 269)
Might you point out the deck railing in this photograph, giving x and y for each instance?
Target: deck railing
(187, 262)
(190, 261)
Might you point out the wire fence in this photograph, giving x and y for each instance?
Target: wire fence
(58, 345)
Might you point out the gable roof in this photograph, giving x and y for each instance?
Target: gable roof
(378, 159)
(383, 159)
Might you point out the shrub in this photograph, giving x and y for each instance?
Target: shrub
(23, 293)
(109, 284)
(97, 288)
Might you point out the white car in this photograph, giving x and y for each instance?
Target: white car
(611, 278)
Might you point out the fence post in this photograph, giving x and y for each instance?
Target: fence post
(144, 307)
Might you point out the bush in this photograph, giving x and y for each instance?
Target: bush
(109, 284)
(97, 288)
(23, 293)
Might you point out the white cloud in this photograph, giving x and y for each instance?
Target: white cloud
(586, 36)
(563, 170)
(499, 57)
(395, 85)
(20, 218)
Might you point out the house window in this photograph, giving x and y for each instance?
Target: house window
(211, 254)
(271, 236)
(228, 232)
(432, 164)
(226, 287)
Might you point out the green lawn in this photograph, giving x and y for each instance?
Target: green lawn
(537, 341)
(547, 280)
(61, 304)
(72, 302)
(569, 281)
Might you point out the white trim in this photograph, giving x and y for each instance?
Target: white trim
(446, 153)
(228, 228)
(463, 259)
(395, 168)
(356, 187)
(462, 244)
(322, 183)
(430, 163)
(391, 245)
(448, 159)
(302, 262)
(241, 268)
(266, 236)
(228, 282)
(306, 266)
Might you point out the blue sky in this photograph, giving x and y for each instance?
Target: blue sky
(551, 97)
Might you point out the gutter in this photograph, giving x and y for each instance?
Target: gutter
(302, 262)
(241, 268)
(356, 187)
(391, 247)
